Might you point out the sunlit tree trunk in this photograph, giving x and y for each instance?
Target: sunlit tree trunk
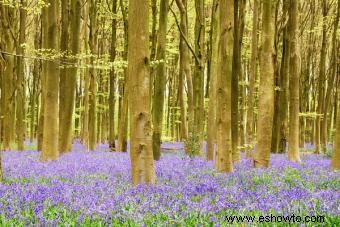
(184, 73)
(68, 77)
(93, 43)
(7, 20)
(211, 127)
(123, 119)
(266, 90)
(223, 161)
(64, 96)
(112, 79)
(85, 131)
(242, 96)
(252, 77)
(284, 82)
(198, 80)
(20, 81)
(142, 164)
(335, 164)
(321, 81)
(294, 81)
(51, 108)
(234, 85)
(35, 83)
(159, 81)
(331, 80)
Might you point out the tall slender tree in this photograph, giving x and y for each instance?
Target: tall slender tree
(284, 81)
(266, 89)
(332, 77)
(252, 78)
(142, 165)
(7, 22)
(294, 81)
(93, 43)
(50, 147)
(68, 77)
(20, 100)
(335, 164)
(198, 80)
(321, 81)
(223, 161)
(234, 85)
(123, 115)
(112, 78)
(65, 98)
(211, 127)
(159, 80)
(184, 72)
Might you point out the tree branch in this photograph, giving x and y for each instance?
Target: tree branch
(185, 38)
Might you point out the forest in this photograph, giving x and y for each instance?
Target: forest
(169, 113)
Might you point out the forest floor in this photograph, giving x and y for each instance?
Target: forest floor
(94, 189)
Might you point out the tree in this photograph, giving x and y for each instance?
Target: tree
(266, 90)
(331, 78)
(68, 76)
(223, 161)
(93, 42)
(211, 127)
(7, 19)
(124, 85)
(112, 78)
(294, 81)
(321, 81)
(184, 72)
(66, 81)
(335, 164)
(252, 77)
(51, 108)
(198, 80)
(1, 176)
(336, 153)
(284, 82)
(20, 80)
(159, 80)
(142, 165)
(234, 85)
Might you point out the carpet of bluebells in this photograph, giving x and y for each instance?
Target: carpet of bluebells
(94, 189)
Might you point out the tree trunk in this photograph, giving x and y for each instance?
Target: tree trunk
(321, 81)
(184, 73)
(93, 42)
(234, 86)
(20, 81)
(68, 77)
(7, 21)
(64, 96)
(294, 81)
(223, 161)
(332, 78)
(198, 80)
(284, 82)
(34, 102)
(123, 119)
(335, 164)
(51, 108)
(85, 132)
(112, 79)
(242, 96)
(142, 165)
(211, 127)
(252, 77)
(266, 90)
(159, 81)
